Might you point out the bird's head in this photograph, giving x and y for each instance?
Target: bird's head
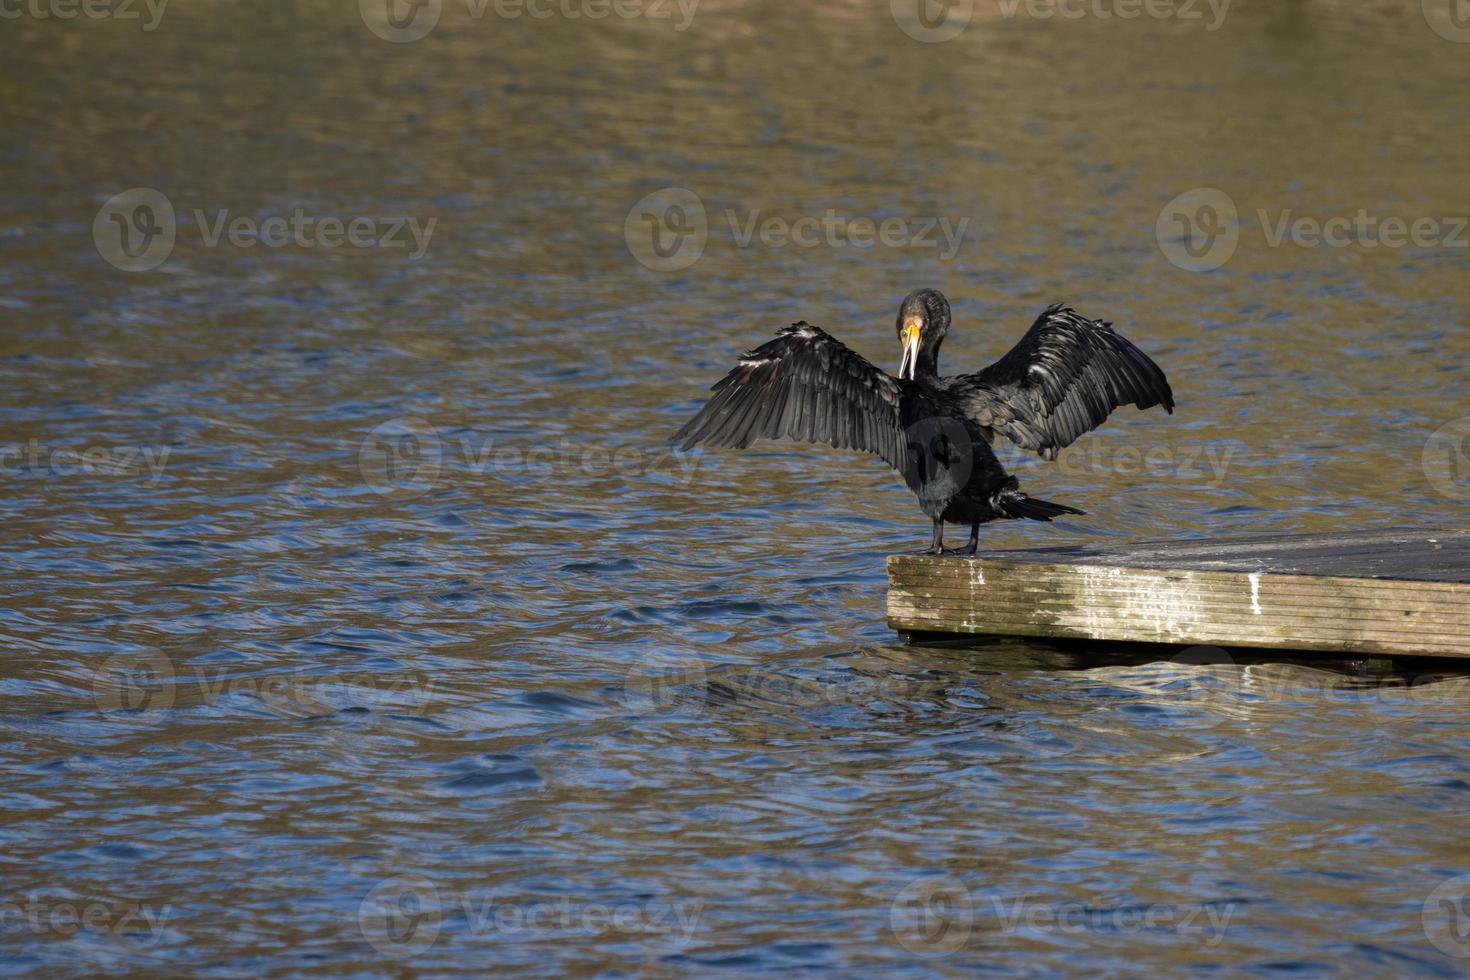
(923, 320)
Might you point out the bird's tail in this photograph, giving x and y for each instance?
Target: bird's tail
(1014, 503)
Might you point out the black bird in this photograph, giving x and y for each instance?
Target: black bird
(1063, 379)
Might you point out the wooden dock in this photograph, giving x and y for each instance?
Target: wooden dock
(1389, 592)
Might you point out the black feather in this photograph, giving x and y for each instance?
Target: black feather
(806, 385)
(1063, 379)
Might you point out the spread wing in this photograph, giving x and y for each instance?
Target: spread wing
(1063, 379)
(805, 385)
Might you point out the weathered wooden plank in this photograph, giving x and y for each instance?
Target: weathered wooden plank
(1221, 630)
(1160, 564)
(1040, 583)
(1437, 608)
(1186, 634)
(1386, 591)
(1408, 626)
(1239, 634)
(1355, 645)
(1398, 626)
(1442, 556)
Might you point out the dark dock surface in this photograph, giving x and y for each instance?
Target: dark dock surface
(1389, 592)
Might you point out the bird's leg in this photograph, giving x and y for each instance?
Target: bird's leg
(937, 548)
(968, 551)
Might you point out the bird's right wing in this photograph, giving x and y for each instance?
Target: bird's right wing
(805, 385)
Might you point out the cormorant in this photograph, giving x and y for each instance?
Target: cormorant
(1063, 379)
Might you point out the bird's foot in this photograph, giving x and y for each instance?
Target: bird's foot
(931, 551)
(965, 552)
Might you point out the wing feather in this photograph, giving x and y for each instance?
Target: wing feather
(1063, 379)
(806, 385)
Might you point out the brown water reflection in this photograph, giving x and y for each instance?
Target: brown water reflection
(537, 693)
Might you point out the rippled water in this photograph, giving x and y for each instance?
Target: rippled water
(358, 620)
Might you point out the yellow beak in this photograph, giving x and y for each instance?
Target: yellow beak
(910, 339)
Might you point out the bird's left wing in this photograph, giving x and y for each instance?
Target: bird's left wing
(804, 384)
(1063, 378)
